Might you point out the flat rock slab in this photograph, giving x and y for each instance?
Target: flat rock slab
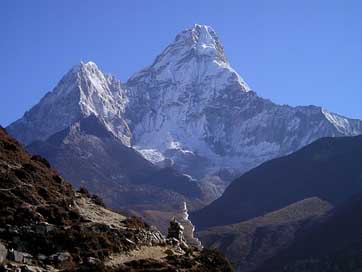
(3, 253)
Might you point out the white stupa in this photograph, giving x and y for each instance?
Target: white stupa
(189, 228)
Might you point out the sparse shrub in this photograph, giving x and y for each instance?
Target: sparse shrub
(43, 192)
(21, 174)
(98, 200)
(57, 179)
(29, 167)
(189, 251)
(84, 192)
(40, 159)
(135, 222)
(213, 258)
(9, 146)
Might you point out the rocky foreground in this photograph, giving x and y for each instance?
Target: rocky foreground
(46, 226)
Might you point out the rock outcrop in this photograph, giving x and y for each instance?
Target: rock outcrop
(3, 253)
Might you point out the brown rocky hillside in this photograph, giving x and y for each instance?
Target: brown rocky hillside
(46, 226)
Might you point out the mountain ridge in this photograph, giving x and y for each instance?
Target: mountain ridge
(101, 159)
(83, 90)
(189, 109)
(323, 169)
(333, 244)
(248, 244)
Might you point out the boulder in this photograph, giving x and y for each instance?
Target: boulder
(60, 258)
(20, 257)
(27, 268)
(43, 228)
(92, 261)
(3, 253)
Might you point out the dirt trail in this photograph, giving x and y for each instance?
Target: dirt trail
(154, 252)
(98, 214)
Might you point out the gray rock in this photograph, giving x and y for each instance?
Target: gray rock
(92, 261)
(60, 258)
(27, 268)
(3, 253)
(20, 257)
(43, 228)
(130, 241)
(42, 257)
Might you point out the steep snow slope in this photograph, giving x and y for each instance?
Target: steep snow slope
(192, 107)
(83, 91)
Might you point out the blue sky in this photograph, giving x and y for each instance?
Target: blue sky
(292, 52)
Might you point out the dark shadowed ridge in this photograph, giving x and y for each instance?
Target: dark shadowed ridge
(89, 155)
(329, 168)
(335, 244)
(250, 243)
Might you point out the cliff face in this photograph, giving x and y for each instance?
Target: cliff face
(47, 226)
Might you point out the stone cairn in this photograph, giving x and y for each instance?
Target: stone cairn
(176, 237)
(175, 230)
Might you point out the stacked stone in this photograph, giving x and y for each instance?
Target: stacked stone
(176, 237)
(175, 230)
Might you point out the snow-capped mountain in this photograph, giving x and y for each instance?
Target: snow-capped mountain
(189, 108)
(192, 106)
(83, 91)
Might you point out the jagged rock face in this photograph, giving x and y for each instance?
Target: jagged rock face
(83, 91)
(189, 108)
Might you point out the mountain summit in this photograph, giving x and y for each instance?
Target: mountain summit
(191, 106)
(189, 109)
(195, 56)
(83, 91)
